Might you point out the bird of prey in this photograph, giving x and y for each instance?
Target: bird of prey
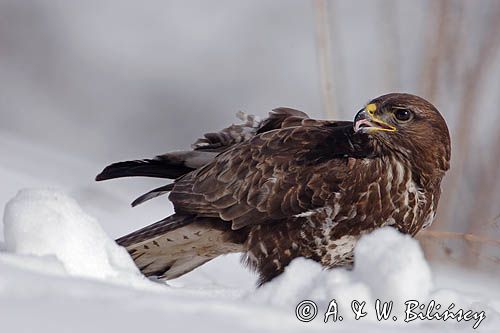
(290, 186)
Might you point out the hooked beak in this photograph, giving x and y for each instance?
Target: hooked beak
(366, 122)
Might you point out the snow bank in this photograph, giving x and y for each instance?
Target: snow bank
(392, 265)
(48, 223)
(389, 266)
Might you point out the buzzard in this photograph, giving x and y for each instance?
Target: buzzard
(290, 186)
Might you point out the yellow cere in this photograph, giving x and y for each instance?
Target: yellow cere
(371, 108)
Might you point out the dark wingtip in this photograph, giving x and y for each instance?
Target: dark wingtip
(156, 168)
(108, 172)
(153, 194)
(100, 177)
(137, 201)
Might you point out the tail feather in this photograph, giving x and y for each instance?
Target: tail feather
(163, 226)
(179, 244)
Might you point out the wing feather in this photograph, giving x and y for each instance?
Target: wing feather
(277, 174)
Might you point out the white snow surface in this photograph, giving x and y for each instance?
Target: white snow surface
(393, 266)
(48, 223)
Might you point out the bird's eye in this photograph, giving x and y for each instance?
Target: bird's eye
(403, 115)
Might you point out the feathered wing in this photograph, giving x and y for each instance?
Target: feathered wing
(164, 166)
(153, 194)
(249, 179)
(274, 175)
(176, 164)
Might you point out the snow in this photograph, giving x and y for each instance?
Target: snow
(45, 222)
(393, 266)
(389, 266)
(60, 270)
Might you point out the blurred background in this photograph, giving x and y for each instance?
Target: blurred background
(86, 83)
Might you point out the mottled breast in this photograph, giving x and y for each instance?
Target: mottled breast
(368, 202)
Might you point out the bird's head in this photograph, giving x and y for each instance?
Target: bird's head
(408, 126)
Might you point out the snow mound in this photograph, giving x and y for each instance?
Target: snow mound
(389, 266)
(44, 222)
(306, 279)
(392, 265)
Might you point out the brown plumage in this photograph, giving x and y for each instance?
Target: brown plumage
(291, 186)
